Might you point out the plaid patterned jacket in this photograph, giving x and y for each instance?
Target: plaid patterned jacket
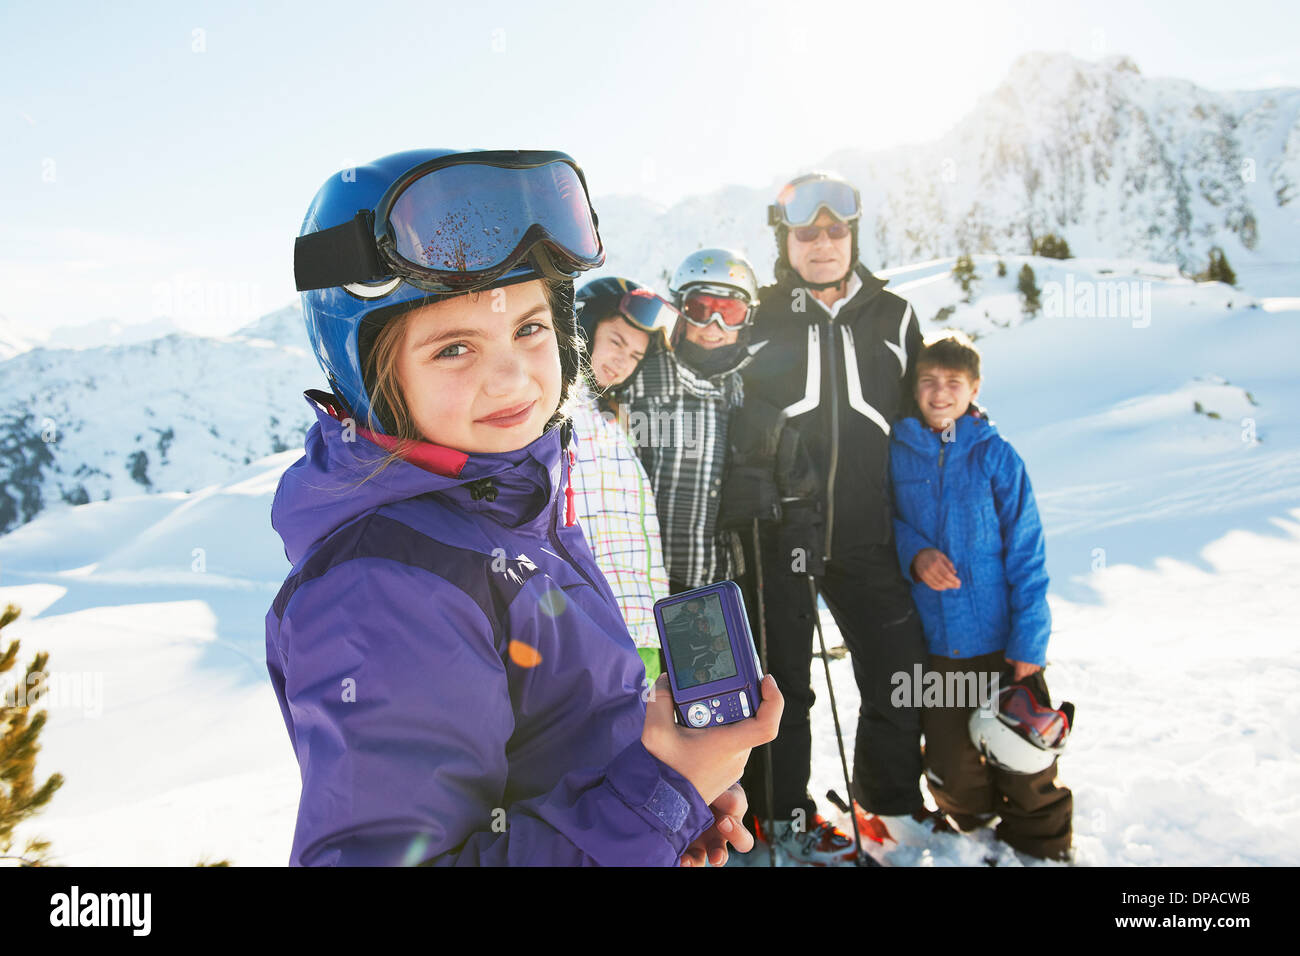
(677, 420)
(616, 509)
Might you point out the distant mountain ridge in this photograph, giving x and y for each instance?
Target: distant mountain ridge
(1119, 164)
(177, 413)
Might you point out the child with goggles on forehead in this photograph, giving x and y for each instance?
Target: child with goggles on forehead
(621, 323)
(453, 670)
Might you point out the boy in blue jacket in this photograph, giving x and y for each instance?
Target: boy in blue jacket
(970, 542)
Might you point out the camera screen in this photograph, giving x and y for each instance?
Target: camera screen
(696, 633)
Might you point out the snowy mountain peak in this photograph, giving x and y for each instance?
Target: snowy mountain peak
(1118, 163)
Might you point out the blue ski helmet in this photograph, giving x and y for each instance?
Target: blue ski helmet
(424, 225)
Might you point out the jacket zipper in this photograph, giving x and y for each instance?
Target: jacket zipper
(835, 436)
(553, 532)
(943, 447)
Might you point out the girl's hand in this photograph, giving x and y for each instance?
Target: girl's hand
(712, 846)
(711, 758)
(933, 567)
(1023, 669)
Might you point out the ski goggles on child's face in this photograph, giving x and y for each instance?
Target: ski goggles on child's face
(799, 202)
(460, 222)
(1046, 726)
(702, 309)
(646, 311)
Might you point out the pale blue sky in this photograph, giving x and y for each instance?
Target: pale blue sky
(158, 157)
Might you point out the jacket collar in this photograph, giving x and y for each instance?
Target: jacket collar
(969, 430)
(336, 481)
(859, 295)
(854, 286)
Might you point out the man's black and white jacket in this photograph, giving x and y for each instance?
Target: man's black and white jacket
(842, 377)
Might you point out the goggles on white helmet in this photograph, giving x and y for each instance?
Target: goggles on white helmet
(1024, 736)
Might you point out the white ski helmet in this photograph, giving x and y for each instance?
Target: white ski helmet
(727, 270)
(1023, 736)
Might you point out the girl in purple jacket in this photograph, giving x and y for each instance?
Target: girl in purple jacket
(454, 673)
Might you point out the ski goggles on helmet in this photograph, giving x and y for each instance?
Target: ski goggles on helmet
(647, 311)
(1043, 726)
(799, 202)
(702, 309)
(460, 222)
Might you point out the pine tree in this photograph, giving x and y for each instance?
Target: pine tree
(1002, 268)
(964, 273)
(1029, 291)
(1050, 246)
(20, 797)
(1218, 269)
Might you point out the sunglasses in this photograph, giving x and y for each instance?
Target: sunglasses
(701, 310)
(836, 230)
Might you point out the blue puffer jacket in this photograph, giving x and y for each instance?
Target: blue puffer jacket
(971, 499)
(456, 679)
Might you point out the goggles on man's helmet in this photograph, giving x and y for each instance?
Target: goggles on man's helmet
(459, 223)
(799, 202)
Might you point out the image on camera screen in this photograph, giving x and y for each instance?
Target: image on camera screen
(697, 641)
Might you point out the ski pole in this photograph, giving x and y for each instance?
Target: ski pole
(839, 737)
(762, 655)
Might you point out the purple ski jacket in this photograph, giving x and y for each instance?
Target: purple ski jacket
(454, 673)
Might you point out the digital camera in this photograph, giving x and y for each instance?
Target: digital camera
(709, 655)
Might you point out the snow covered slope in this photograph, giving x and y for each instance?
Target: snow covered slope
(1173, 546)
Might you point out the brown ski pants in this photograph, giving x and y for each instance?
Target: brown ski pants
(1036, 813)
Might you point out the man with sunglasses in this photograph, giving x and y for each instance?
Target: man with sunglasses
(834, 350)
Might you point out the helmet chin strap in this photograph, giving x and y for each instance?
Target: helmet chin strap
(821, 286)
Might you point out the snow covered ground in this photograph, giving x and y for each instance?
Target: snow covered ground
(1173, 545)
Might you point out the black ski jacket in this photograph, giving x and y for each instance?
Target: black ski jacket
(842, 382)
(770, 476)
